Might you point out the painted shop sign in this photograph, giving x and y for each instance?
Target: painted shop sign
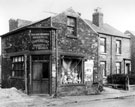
(40, 41)
(88, 65)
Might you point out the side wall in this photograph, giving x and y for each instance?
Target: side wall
(85, 44)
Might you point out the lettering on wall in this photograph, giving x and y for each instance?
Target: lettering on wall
(40, 41)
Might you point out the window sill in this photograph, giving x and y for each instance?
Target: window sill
(118, 54)
(17, 77)
(72, 36)
(103, 53)
(81, 84)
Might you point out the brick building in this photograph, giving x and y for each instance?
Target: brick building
(57, 55)
(132, 36)
(115, 50)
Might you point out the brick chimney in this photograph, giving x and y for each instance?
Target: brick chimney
(14, 24)
(97, 17)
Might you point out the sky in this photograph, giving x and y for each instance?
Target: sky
(118, 13)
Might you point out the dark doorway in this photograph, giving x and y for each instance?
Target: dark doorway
(40, 77)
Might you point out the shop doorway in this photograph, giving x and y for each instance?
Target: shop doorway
(40, 77)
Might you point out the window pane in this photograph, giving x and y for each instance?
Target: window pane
(118, 46)
(70, 30)
(102, 45)
(17, 67)
(71, 71)
(71, 21)
(118, 68)
(103, 68)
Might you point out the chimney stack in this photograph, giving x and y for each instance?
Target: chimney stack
(97, 17)
(17, 23)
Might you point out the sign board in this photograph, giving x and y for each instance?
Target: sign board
(88, 69)
(40, 41)
(53, 70)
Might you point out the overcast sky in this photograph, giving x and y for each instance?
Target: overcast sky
(118, 13)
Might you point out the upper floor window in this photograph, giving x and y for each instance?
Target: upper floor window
(71, 26)
(118, 68)
(118, 46)
(103, 45)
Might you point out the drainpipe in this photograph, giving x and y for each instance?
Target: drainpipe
(56, 53)
(111, 57)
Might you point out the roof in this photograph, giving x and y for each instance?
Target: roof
(130, 32)
(25, 27)
(106, 29)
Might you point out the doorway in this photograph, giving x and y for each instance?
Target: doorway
(40, 77)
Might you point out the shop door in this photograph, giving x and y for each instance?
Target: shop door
(40, 77)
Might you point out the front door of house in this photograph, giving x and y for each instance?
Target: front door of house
(40, 77)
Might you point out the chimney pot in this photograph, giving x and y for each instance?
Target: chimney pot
(97, 17)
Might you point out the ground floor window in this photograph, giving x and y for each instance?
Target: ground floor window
(71, 70)
(118, 67)
(17, 66)
(103, 68)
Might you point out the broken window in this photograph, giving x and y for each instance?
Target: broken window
(71, 71)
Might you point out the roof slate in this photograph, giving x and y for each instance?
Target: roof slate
(106, 29)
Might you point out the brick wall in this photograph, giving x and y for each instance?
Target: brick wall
(110, 57)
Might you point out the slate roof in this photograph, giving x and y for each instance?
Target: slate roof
(131, 32)
(106, 29)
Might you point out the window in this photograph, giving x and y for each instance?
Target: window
(103, 68)
(71, 71)
(118, 68)
(71, 26)
(118, 47)
(103, 45)
(17, 66)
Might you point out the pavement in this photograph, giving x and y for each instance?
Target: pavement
(108, 93)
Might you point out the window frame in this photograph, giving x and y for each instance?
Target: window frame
(82, 69)
(118, 47)
(17, 68)
(74, 27)
(104, 44)
(119, 67)
(105, 72)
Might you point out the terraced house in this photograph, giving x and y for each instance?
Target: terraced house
(115, 50)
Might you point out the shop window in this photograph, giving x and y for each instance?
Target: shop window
(17, 66)
(71, 26)
(118, 47)
(118, 68)
(103, 45)
(71, 71)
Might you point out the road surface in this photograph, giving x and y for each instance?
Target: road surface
(121, 102)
